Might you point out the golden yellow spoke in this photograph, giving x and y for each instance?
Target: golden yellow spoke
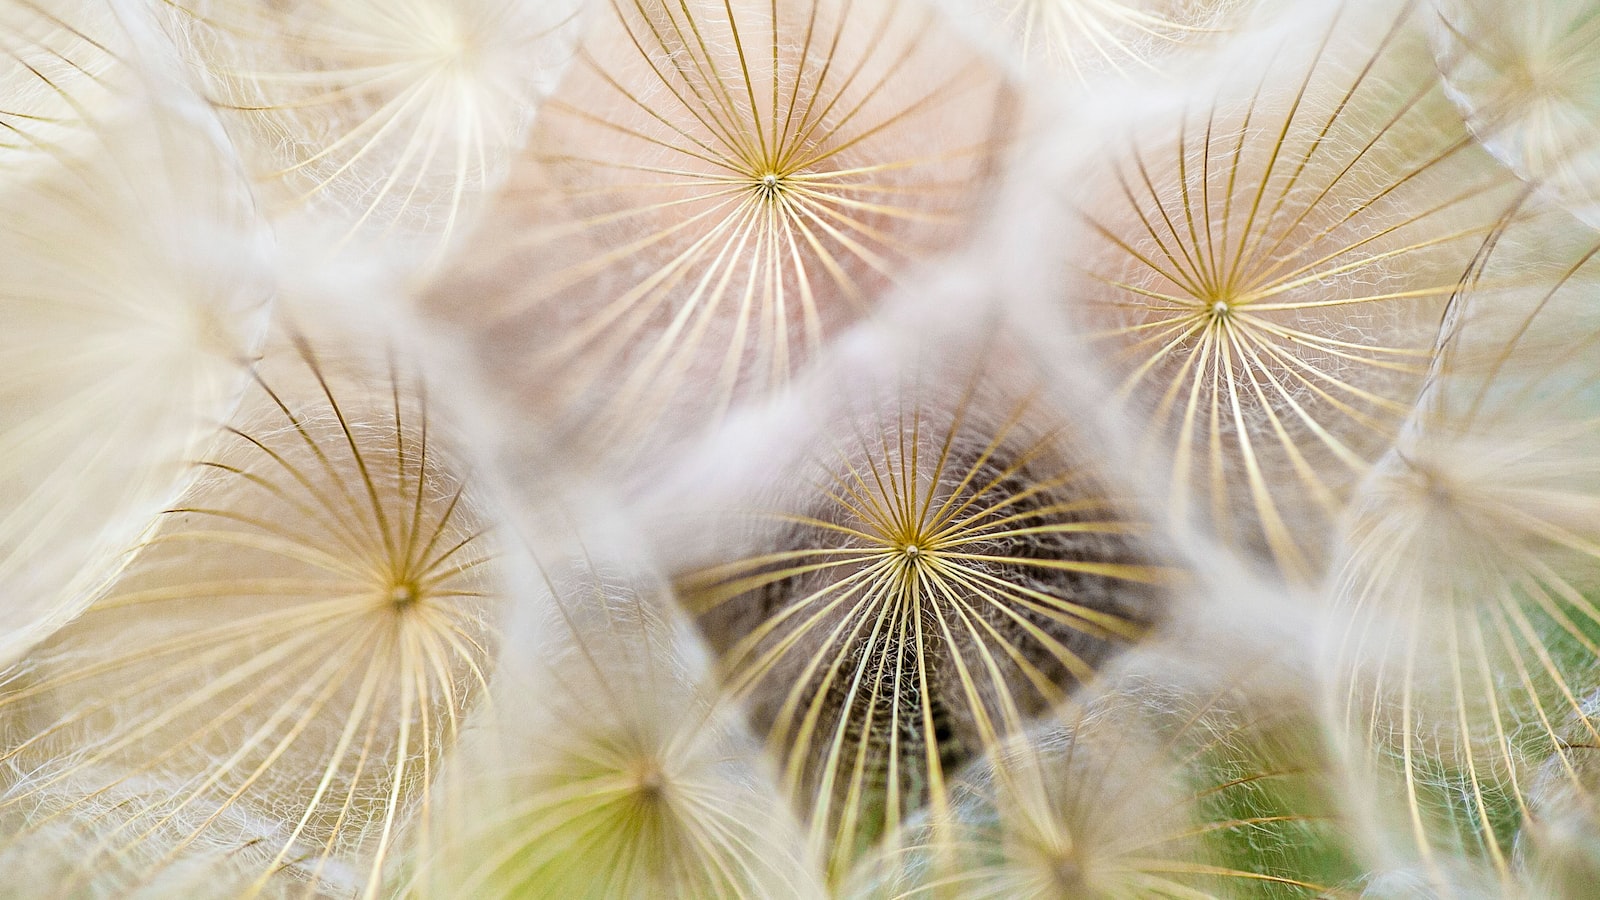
(1169, 303)
(1308, 273)
(1299, 369)
(796, 731)
(328, 680)
(317, 513)
(717, 575)
(979, 517)
(102, 751)
(1185, 274)
(351, 528)
(826, 789)
(224, 636)
(1043, 684)
(1251, 246)
(708, 600)
(1074, 615)
(698, 149)
(329, 471)
(1123, 571)
(655, 288)
(1255, 370)
(1109, 526)
(1277, 531)
(868, 580)
(739, 139)
(811, 122)
(714, 114)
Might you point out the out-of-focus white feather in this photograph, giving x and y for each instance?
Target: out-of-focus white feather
(1526, 75)
(1469, 658)
(134, 286)
(1091, 43)
(376, 116)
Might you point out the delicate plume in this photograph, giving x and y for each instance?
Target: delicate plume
(296, 644)
(60, 70)
(380, 115)
(1469, 670)
(1086, 39)
(948, 571)
(1267, 268)
(713, 192)
(1527, 77)
(609, 767)
(82, 811)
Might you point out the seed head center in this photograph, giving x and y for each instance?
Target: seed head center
(1219, 308)
(1069, 876)
(769, 185)
(648, 779)
(404, 595)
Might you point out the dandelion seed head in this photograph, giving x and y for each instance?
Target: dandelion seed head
(318, 609)
(610, 768)
(710, 197)
(1465, 588)
(1270, 274)
(948, 573)
(264, 630)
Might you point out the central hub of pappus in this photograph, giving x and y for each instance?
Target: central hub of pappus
(405, 595)
(912, 554)
(769, 185)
